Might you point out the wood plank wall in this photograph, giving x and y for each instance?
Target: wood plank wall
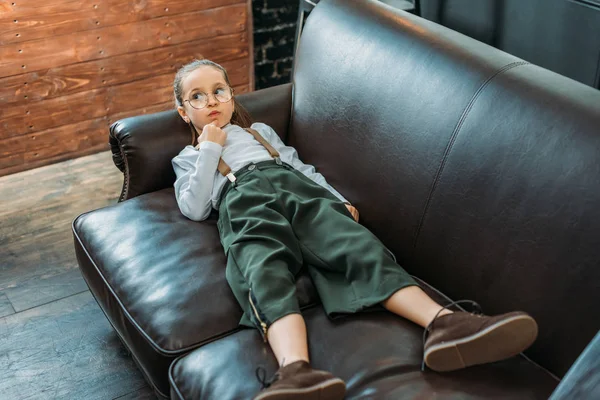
(70, 68)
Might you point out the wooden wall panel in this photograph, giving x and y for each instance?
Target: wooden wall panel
(18, 118)
(24, 21)
(17, 58)
(59, 81)
(83, 138)
(71, 80)
(36, 116)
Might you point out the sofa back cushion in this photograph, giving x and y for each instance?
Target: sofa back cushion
(476, 168)
(375, 102)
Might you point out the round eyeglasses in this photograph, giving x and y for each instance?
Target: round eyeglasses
(199, 100)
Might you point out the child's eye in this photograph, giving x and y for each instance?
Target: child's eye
(220, 91)
(197, 96)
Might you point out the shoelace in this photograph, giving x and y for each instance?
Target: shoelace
(261, 375)
(447, 306)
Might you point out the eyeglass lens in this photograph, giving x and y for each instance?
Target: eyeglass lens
(200, 100)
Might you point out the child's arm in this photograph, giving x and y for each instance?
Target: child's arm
(290, 154)
(195, 171)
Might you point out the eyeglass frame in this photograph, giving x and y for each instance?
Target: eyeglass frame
(208, 98)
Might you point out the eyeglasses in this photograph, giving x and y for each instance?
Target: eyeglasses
(199, 100)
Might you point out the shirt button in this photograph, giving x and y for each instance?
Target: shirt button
(251, 167)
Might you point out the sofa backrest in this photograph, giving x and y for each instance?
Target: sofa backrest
(480, 171)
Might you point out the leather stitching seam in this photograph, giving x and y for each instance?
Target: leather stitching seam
(453, 139)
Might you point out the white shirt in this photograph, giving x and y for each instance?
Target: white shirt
(199, 183)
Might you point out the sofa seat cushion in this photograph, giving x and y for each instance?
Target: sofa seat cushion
(160, 278)
(378, 355)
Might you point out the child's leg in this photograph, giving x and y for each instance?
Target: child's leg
(415, 305)
(287, 337)
(353, 270)
(347, 262)
(263, 257)
(266, 290)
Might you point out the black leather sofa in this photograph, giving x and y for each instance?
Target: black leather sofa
(478, 170)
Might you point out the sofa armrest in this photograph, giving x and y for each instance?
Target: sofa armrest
(143, 146)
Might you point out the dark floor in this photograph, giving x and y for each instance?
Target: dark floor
(55, 342)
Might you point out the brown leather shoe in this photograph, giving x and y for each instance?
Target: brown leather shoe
(299, 381)
(463, 339)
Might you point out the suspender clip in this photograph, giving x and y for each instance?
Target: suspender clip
(231, 177)
(278, 161)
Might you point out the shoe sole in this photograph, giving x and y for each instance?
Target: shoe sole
(497, 342)
(332, 389)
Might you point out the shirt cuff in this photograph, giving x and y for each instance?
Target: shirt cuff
(211, 146)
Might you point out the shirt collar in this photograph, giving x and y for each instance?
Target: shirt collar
(227, 128)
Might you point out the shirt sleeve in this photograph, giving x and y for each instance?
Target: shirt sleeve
(195, 174)
(290, 155)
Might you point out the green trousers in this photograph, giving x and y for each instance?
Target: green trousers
(273, 220)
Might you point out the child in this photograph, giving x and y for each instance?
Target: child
(277, 214)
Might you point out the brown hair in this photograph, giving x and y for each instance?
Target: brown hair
(240, 116)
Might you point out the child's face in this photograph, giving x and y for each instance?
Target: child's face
(205, 79)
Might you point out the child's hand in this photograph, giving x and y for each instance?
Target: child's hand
(353, 211)
(212, 133)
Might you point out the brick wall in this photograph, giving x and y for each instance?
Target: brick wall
(274, 37)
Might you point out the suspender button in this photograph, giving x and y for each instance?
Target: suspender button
(251, 167)
(278, 160)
